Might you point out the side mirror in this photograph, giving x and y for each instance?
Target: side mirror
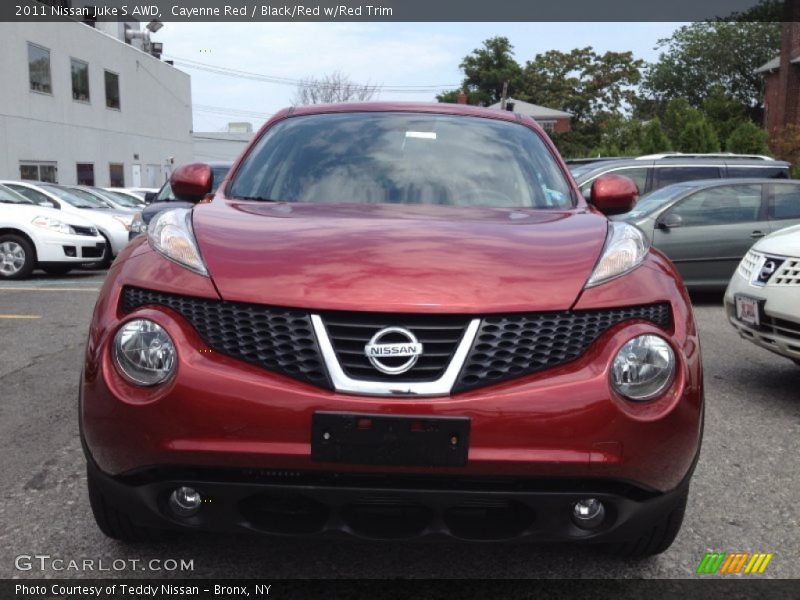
(669, 220)
(149, 197)
(191, 183)
(614, 194)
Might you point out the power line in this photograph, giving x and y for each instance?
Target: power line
(274, 79)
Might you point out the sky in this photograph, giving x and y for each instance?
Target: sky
(388, 54)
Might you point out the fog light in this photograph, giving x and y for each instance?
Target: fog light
(144, 352)
(588, 513)
(185, 501)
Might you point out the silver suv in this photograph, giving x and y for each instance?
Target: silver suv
(655, 171)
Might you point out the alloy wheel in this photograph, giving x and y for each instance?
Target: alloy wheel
(12, 258)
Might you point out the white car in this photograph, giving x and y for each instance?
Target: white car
(35, 236)
(113, 225)
(138, 192)
(763, 298)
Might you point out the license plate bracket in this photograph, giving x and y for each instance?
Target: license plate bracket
(400, 440)
(749, 310)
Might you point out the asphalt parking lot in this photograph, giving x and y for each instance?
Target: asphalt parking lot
(744, 495)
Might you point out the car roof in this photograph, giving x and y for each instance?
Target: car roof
(446, 108)
(689, 161)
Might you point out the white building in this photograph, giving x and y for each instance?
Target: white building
(222, 146)
(80, 105)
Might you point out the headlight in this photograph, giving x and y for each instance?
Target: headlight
(171, 234)
(643, 368)
(52, 224)
(144, 352)
(138, 225)
(124, 221)
(625, 249)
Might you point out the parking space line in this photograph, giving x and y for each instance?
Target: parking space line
(20, 316)
(41, 289)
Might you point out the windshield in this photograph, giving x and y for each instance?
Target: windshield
(123, 199)
(72, 199)
(96, 200)
(112, 199)
(578, 170)
(655, 200)
(8, 196)
(402, 158)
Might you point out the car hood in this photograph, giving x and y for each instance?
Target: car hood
(105, 218)
(28, 212)
(398, 258)
(784, 242)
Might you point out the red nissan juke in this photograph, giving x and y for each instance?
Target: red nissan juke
(394, 321)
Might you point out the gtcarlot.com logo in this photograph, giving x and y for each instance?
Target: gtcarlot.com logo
(732, 563)
(46, 562)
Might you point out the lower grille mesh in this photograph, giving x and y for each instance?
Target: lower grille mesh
(279, 339)
(509, 346)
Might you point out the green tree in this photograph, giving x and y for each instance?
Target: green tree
(748, 138)
(620, 136)
(698, 137)
(486, 69)
(677, 115)
(723, 112)
(654, 140)
(581, 81)
(700, 56)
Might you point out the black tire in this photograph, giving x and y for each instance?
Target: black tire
(17, 244)
(115, 523)
(657, 539)
(57, 269)
(108, 256)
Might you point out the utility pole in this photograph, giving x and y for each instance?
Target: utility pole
(504, 96)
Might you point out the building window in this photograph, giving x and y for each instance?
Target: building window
(116, 174)
(112, 90)
(85, 174)
(548, 125)
(39, 69)
(38, 171)
(80, 80)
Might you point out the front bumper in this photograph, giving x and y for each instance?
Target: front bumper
(61, 248)
(377, 507)
(779, 331)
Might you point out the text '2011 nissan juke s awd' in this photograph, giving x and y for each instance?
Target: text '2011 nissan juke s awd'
(394, 321)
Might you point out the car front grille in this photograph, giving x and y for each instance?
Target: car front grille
(278, 339)
(782, 327)
(438, 334)
(282, 340)
(788, 273)
(748, 264)
(508, 346)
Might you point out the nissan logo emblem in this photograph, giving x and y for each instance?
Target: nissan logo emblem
(404, 344)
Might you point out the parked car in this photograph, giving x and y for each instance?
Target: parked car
(133, 200)
(113, 225)
(34, 236)
(92, 193)
(394, 320)
(165, 199)
(706, 227)
(762, 301)
(656, 171)
(139, 192)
